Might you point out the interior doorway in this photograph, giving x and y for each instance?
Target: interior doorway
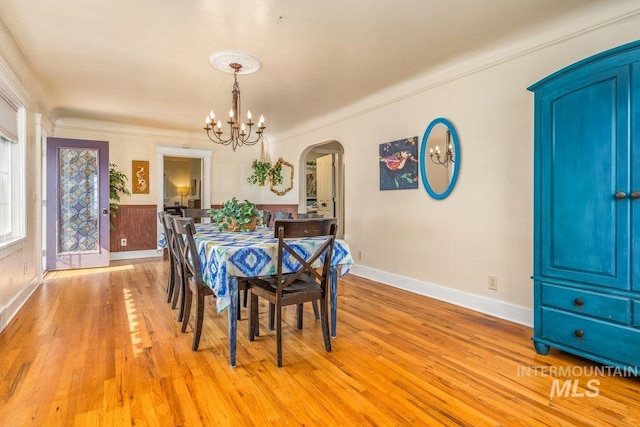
(322, 182)
(182, 183)
(204, 186)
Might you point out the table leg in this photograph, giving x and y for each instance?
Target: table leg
(333, 296)
(233, 319)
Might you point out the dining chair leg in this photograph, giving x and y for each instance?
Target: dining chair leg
(325, 323)
(314, 304)
(187, 308)
(271, 316)
(172, 278)
(176, 291)
(299, 315)
(183, 291)
(253, 317)
(279, 335)
(197, 330)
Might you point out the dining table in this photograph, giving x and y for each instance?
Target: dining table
(226, 255)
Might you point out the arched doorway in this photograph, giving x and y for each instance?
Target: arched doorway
(322, 181)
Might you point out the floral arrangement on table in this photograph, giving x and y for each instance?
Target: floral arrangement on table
(235, 215)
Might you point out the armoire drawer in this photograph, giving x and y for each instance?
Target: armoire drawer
(605, 339)
(594, 304)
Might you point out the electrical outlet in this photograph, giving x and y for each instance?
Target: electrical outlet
(123, 242)
(360, 255)
(493, 283)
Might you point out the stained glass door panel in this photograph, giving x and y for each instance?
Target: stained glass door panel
(78, 211)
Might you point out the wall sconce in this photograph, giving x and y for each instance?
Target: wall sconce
(182, 191)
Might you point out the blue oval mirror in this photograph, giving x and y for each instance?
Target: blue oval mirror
(439, 158)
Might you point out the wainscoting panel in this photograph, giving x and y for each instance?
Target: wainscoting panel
(137, 224)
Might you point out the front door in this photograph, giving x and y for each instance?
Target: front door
(78, 203)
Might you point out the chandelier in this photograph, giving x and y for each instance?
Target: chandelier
(240, 133)
(445, 159)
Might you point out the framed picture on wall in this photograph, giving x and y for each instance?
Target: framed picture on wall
(140, 173)
(399, 164)
(311, 185)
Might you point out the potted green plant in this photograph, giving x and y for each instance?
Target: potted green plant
(262, 171)
(275, 173)
(234, 215)
(117, 187)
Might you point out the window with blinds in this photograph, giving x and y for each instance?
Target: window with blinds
(10, 220)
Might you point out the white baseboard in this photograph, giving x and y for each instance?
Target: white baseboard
(149, 253)
(8, 312)
(503, 310)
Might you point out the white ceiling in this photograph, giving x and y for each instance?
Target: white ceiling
(146, 62)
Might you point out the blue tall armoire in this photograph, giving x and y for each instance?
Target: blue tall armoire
(587, 209)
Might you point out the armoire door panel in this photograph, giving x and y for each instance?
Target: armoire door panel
(635, 179)
(582, 221)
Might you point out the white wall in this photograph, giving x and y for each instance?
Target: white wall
(20, 268)
(448, 248)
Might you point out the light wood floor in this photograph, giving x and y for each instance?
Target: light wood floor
(102, 347)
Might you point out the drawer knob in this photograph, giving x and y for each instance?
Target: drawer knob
(578, 301)
(635, 195)
(579, 333)
(621, 195)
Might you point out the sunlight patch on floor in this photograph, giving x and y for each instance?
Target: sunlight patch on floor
(65, 274)
(132, 317)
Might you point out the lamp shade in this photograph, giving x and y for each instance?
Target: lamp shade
(183, 191)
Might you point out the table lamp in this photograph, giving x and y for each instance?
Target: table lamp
(182, 191)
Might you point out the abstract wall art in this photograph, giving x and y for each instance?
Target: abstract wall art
(399, 164)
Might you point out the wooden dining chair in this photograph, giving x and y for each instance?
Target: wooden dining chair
(172, 268)
(195, 285)
(177, 284)
(306, 283)
(281, 215)
(197, 214)
(182, 274)
(266, 218)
